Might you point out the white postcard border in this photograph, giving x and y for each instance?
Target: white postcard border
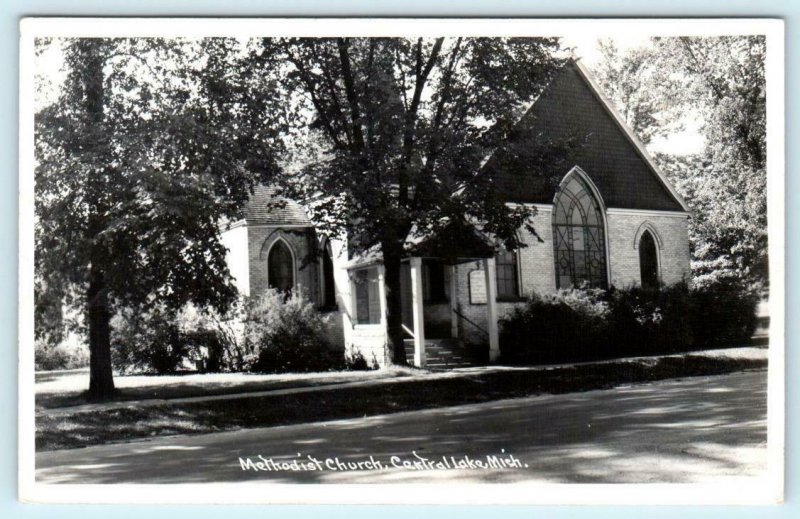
(768, 490)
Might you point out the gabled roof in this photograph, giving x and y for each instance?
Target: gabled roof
(457, 242)
(261, 209)
(572, 107)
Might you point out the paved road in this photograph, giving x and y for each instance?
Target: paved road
(690, 430)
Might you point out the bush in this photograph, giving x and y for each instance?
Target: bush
(579, 325)
(147, 340)
(285, 333)
(723, 314)
(48, 356)
(215, 342)
(355, 361)
(645, 321)
(566, 325)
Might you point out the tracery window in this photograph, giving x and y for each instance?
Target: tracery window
(579, 236)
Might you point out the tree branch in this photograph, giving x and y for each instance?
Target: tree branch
(409, 126)
(306, 78)
(350, 91)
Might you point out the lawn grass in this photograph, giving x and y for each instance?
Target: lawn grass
(83, 429)
(144, 387)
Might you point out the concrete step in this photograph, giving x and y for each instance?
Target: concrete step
(443, 354)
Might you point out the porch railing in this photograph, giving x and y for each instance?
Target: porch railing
(408, 331)
(470, 321)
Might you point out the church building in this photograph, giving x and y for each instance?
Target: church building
(608, 218)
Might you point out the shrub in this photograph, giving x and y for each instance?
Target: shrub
(49, 356)
(558, 327)
(215, 341)
(147, 340)
(579, 325)
(355, 361)
(285, 333)
(723, 314)
(646, 321)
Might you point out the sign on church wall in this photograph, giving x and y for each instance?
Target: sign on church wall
(477, 287)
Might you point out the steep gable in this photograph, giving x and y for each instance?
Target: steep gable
(571, 108)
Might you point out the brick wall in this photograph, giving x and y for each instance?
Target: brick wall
(300, 240)
(535, 263)
(537, 271)
(672, 245)
(536, 266)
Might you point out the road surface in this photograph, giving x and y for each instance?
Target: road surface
(689, 430)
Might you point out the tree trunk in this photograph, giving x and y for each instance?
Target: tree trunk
(392, 256)
(101, 377)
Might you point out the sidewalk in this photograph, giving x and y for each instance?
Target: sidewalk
(413, 375)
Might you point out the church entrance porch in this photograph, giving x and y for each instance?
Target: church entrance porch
(430, 305)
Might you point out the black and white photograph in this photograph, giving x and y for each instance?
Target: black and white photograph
(411, 261)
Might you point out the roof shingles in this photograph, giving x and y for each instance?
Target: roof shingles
(262, 209)
(569, 108)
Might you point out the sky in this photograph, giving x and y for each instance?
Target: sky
(50, 73)
(685, 142)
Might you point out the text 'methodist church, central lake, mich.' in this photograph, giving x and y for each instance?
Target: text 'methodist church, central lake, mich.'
(612, 220)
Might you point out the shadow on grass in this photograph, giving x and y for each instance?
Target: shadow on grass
(676, 432)
(194, 386)
(123, 424)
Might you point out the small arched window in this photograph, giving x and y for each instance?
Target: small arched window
(578, 235)
(648, 260)
(280, 267)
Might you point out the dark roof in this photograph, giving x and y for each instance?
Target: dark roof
(263, 209)
(570, 108)
(455, 243)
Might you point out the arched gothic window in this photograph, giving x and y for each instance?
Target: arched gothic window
(578, 236)
(648, 260)
(280, 267)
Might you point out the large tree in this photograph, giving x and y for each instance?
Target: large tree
(149, 145)
(720, 83)
(639, 88)
(399, 130)
(725, 82)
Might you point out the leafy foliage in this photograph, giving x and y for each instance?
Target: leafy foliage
(355, 361)
(147, 341)
(720, 80)
(640, 89)
(149, 145)
(588, 325)
(50, 356)
(576, 321)
(286, 333)
(726, 82)
(400, 126)
(396, 131)
(723, 313)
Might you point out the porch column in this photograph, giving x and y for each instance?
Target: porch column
(382, 295)
(387, 355)
(453, 302)
(416, 310)
(491, 308)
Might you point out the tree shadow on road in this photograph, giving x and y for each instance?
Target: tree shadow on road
(679, 431)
